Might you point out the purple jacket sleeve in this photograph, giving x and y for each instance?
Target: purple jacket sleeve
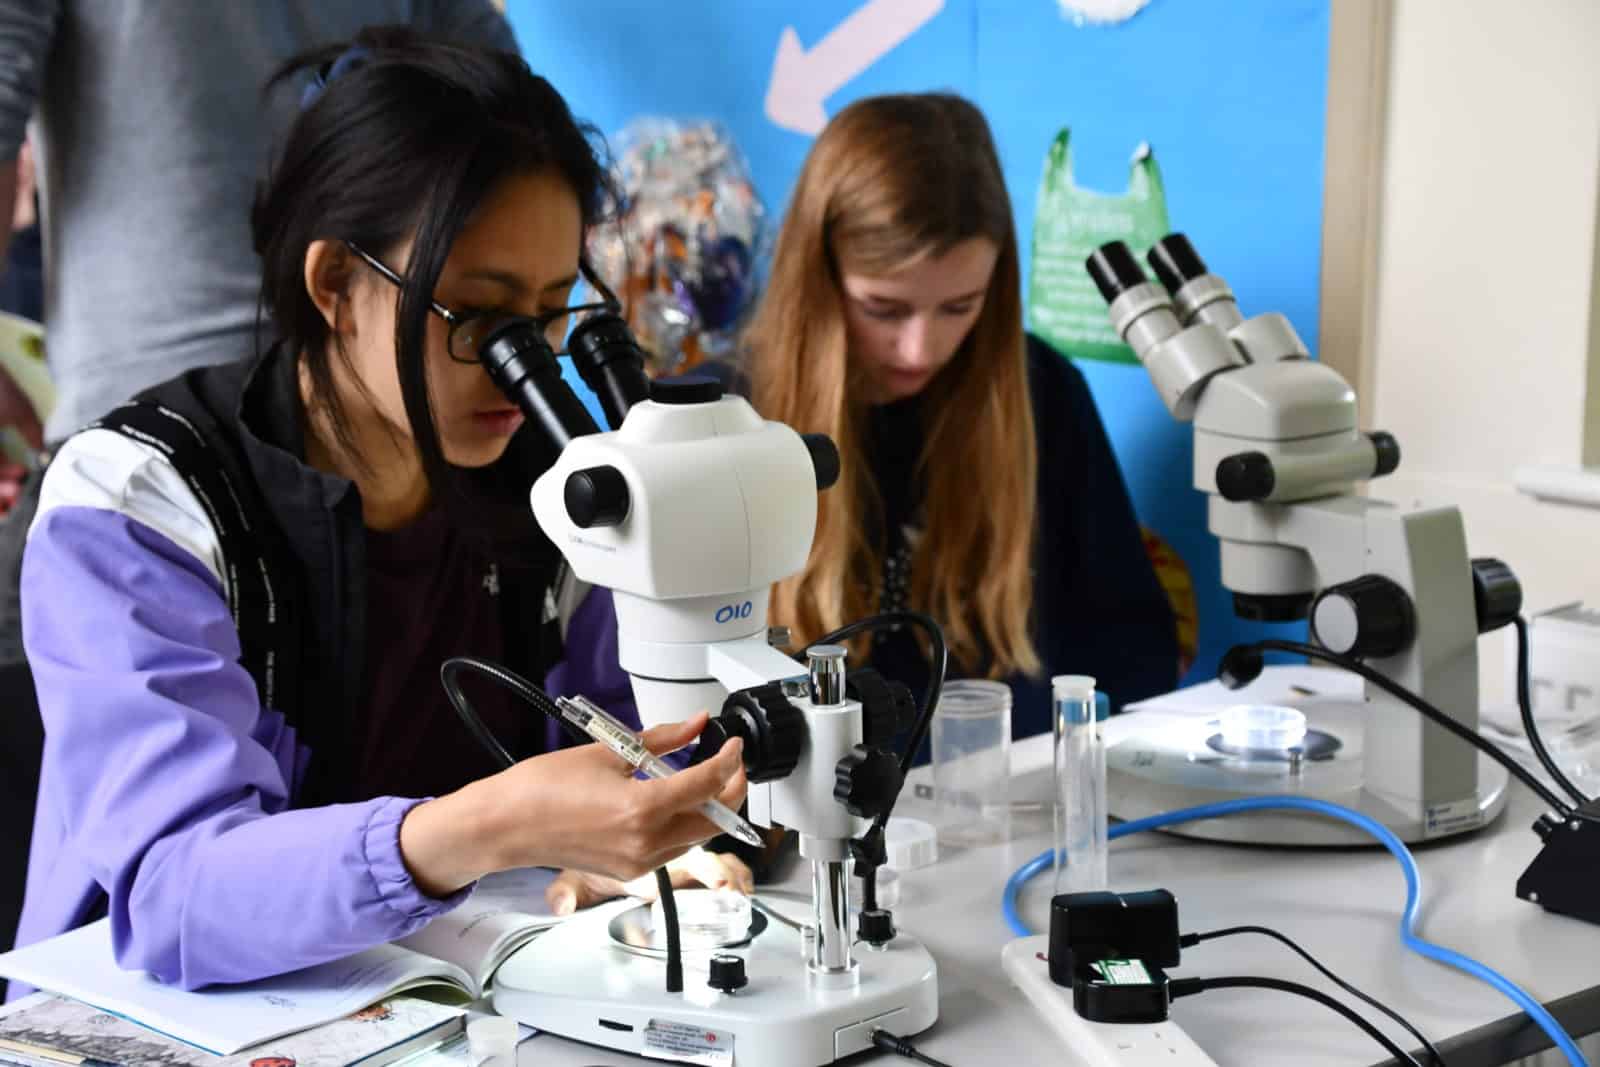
(172, 785)
(591, 664)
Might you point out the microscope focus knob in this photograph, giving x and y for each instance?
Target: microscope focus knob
(886, 707)
(824, 458)
(774, 730)
(597, 496)
(1368, 616)
(866, 781)
(875, 926)
(727, 973)
(1496, 594)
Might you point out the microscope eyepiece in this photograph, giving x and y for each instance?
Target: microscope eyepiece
(610, 362)
(521, 363)
(1175, 261)
(1114, 270)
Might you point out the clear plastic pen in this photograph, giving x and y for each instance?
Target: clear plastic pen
(603, 727)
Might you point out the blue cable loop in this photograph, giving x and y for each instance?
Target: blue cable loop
(1385, 837)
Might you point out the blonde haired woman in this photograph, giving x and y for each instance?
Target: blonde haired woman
(978, 484)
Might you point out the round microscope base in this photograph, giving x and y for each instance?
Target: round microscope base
(1168, 766)
(574, 981)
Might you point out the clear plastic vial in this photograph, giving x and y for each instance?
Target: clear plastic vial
(1080, 787)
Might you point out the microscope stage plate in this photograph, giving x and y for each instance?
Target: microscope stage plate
(1160, 758)
(574, 981)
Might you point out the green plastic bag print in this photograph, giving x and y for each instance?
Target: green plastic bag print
(1064, 307)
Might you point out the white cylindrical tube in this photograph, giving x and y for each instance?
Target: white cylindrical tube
(1080, 787)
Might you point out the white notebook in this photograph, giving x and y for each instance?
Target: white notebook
(458, 952)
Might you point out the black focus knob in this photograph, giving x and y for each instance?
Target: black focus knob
(1496, 594)
(824, 458)
(886, 707)
(773, 729)
(876, 926)
(1246, 476)
(727, 973)
(866, 781)
(1369, 616)
(597, 496)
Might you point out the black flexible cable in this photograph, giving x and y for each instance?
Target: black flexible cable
(541, 701)
(919, 729)
(1182, 987)
(1399, 692)
(1529, 726)
(669, 915)
(1188, 940)
(901, 1047)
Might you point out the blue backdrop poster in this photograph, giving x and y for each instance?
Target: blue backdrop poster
(1229, 95)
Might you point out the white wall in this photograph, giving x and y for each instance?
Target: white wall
(1485, 284)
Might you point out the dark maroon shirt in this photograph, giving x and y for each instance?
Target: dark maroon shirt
(431, 596)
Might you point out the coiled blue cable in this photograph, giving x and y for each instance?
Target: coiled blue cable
(1386, 837)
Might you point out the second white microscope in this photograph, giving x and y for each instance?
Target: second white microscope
(1278, 452)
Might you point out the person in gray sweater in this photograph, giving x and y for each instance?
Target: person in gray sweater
(150, 130)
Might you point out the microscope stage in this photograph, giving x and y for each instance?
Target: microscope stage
(1167, 754)
(574, 980)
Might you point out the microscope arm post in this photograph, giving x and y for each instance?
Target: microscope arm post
(1410, 762)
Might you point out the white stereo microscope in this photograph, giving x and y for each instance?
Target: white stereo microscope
(689, 512)
(1278, 453)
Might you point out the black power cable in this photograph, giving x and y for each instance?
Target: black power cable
(1529, 726)
(1183, 987)
(1399, 692)
(919, 730)
(532, 694)
(1188, 940)
(901, 1047)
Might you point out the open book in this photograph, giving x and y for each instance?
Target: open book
(45, 1030)
(458, 952)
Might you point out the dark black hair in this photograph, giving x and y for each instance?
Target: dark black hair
(403, 135)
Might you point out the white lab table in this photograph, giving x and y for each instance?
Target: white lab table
(1343, 905)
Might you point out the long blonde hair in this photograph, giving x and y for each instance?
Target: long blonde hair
(891, 180)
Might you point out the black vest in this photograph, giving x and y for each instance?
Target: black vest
(294, 547)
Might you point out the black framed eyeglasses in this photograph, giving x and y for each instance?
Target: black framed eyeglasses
(468, 330)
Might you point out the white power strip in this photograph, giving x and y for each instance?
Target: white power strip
(1095, 1044)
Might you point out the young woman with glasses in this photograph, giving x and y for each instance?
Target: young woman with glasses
(426, 192)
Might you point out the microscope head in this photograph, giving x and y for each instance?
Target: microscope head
(1271, 425)
(688, 513)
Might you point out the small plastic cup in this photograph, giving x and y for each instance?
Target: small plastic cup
(492, 1041)
(972, 763)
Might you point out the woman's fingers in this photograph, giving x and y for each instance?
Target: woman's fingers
(669, 737)
(689, 788)
(572, 890)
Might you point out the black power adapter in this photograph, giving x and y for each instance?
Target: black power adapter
(1110, 950)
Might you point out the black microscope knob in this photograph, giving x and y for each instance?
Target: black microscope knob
(824, 458)
(1496, 593)
(876, 926)
(727, 973)
(597, 496)
(687, 389)
(774, 730)
(866, 781)
(886, 707)
(1368, 616)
